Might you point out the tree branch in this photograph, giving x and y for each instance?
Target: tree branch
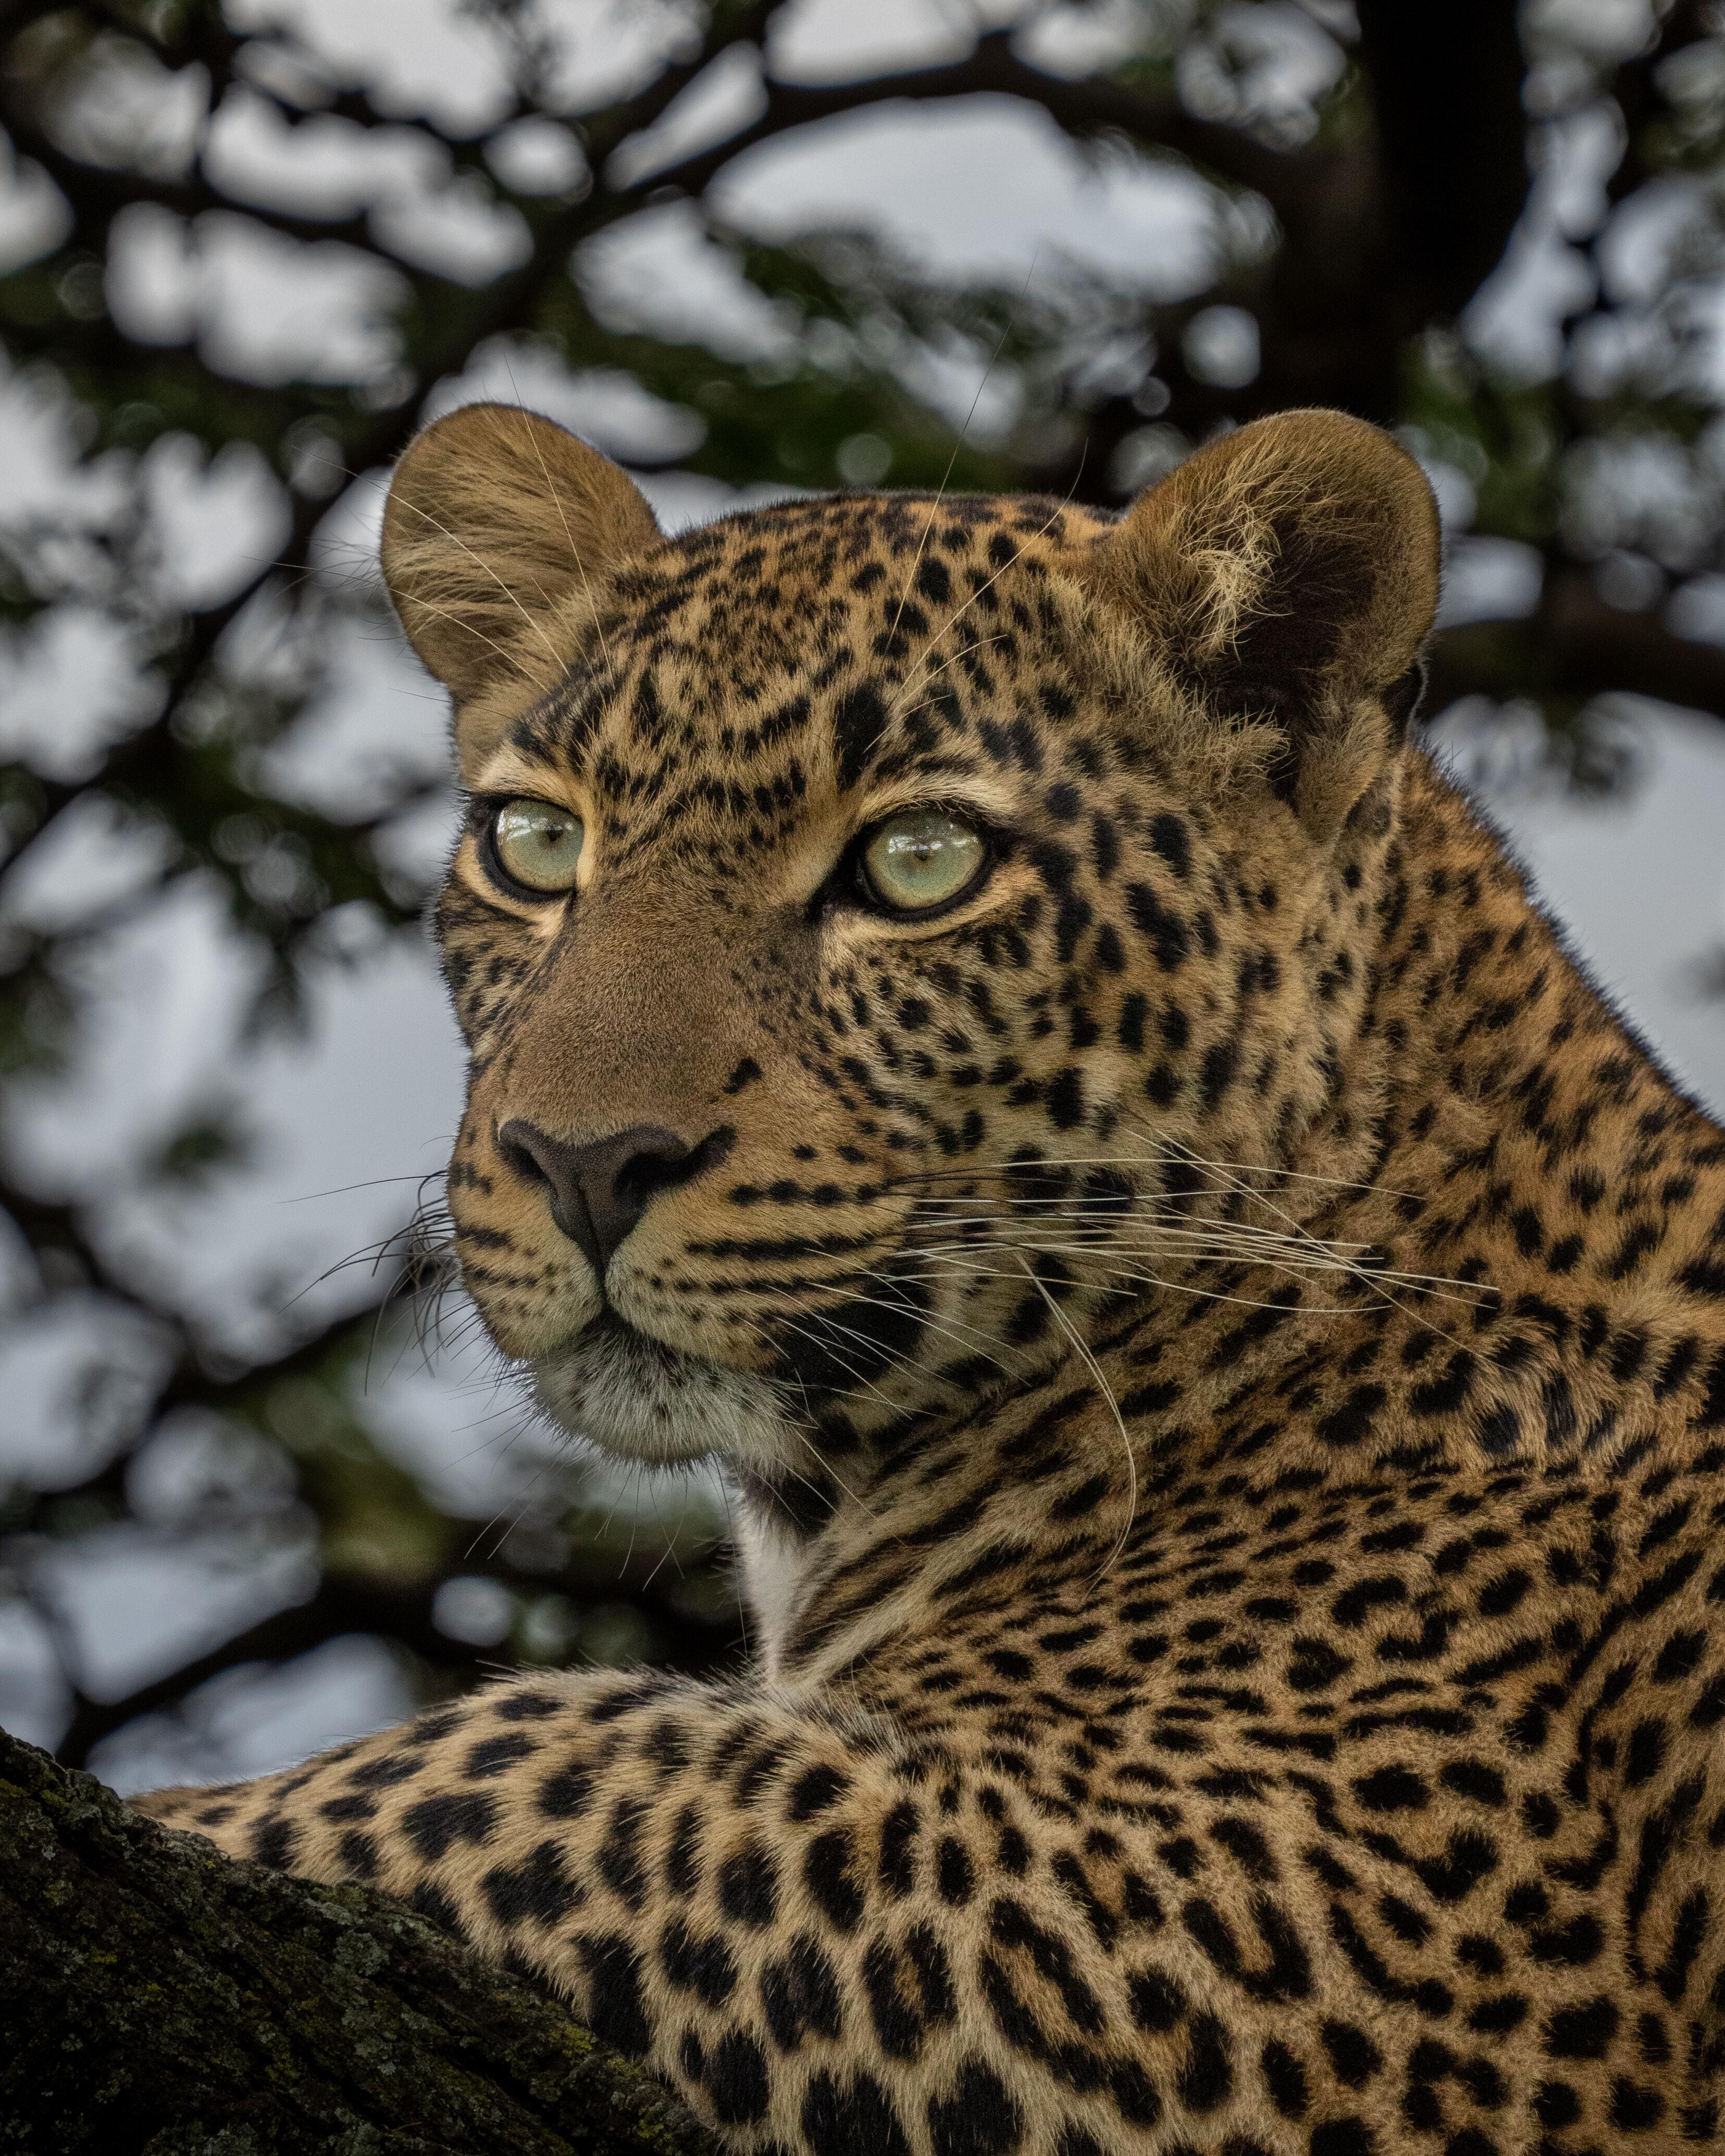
(400, 1612)
(1576, 645)
(1084, 109)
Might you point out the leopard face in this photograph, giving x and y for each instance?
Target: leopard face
(884, 926)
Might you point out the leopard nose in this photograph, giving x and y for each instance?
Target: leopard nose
(598, 1190)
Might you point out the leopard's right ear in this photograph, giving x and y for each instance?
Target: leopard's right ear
(500, 532)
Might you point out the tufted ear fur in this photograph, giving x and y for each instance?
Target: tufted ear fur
(1287, 575)
(499, 533)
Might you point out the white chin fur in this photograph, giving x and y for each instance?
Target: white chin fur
(640, 1400)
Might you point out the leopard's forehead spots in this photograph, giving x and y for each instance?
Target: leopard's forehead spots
(877, 638)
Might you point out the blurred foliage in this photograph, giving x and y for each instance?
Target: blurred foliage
(1549, 345)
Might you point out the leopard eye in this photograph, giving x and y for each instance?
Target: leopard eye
(537, 844)
(920, 860)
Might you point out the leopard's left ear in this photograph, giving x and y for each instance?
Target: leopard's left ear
(1288, 574)
(500, 533)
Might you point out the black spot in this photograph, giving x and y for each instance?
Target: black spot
(435, 1824)
(978, 2119)
(827, 1874)
(1473, 1777)
(432, 1903)
(1167, 836)
(748, 1885)
(814, 1790)
(1343, 2136)
(348, 1808)
(737, 2080)
(491, 1755)
(858, 723)
(1136, 2096)
(684, 1859)
(697, 1961)
(1555, 2103)
(620, 1862)
(1218, 1070)
(1679, 1657)
(1467, 1860)
(1206, 2073)
(800, 1994)
(896, 1867)
(934, 581)
(1315, 1663)
(1392, 1789)
(898, 2018)
(528, 1706)
(616, 2000)
(359, 1855)
(1354, 1604)
(1351, 1422)
(1645, 1753)
(1285, 2078)
(274, 1841)
(386, 1773)
(1064, 1099)
(854, 2117)
(1353, 2054)
(1499, 1596)
(566, 1793)
(1158, 2001)
(539, 1890)
(1582, 2032)
(954, 1873)
(1166, 931)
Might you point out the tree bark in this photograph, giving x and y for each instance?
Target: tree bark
(155, 1996)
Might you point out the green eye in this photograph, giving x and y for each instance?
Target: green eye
(537, 844)
(922, 858)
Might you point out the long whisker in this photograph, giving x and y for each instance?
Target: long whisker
(941, 491)
(1081, 1349)
(921, 680)
(507, 590)
(1367, 1275)
(1247, 1246)
(574, 551)
(1153, 1280)
(953, 620)
(803, 1438)
(982, 1172)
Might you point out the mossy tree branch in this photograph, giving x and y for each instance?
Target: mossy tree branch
(156, 1996)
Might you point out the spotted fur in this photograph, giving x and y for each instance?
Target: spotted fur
(1220, 1338)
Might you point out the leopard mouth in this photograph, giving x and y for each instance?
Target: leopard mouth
(638, 1398)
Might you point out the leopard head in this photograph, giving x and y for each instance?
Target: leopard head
(870, 908)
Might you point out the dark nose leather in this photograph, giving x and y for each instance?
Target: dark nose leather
(598, 1191)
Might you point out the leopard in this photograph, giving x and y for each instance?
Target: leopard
(988, 1020)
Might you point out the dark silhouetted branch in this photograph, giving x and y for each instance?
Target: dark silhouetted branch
(1576, 646)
